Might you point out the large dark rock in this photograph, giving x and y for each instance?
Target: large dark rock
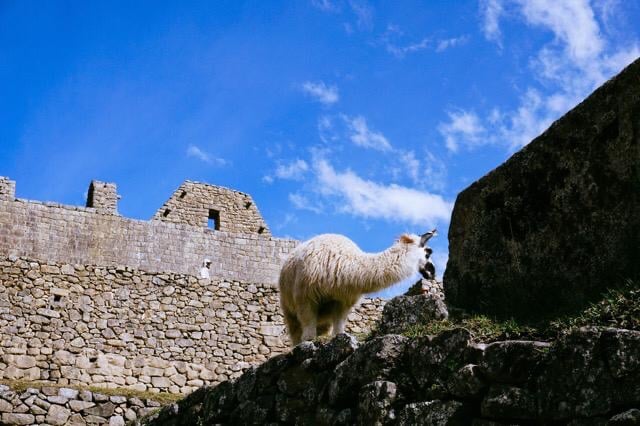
(558, 223)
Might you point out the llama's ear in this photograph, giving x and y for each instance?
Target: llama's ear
(404, 238)
(427, 236)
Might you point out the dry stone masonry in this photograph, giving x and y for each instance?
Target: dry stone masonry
(58, 406)
(121, 327)
(90, 298)
(219, 208)
(179, 242)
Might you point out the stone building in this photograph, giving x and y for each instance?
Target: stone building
(88, 297)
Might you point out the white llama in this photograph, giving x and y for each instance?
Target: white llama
(324, 277)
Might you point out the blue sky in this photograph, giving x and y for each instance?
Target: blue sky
(355, 117)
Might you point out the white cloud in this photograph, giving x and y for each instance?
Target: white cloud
(195, 152)
(464, 127)
(322, 93)
(401, 51)
(450, 42)
(570, 67)
(301, 202)
(361, 135)
(572, 22)
(491, 10)
(363, 12)
(434, 172)
(367, 199)
(326, 5)
(294, 170)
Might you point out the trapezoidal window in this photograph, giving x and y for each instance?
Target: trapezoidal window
(214, 220)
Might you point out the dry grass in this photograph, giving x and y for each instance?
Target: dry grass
(162, 398)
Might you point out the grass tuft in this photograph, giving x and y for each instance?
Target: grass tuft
(619, 308)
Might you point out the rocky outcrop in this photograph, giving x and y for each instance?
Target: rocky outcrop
(557, 224)
(50, 405)
(423, 303)
(589, 376)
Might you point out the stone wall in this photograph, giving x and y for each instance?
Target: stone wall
(587, 377)
(103, 197)
(122, 327)
(83, 235)
(7, 189)
(42, 404)
(203, 205)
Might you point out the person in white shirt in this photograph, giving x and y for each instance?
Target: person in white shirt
(204, 271)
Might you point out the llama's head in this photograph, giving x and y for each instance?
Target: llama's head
(417, 251)
(427, 236)
(420, 241)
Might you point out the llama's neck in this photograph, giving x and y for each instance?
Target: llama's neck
(381, 270)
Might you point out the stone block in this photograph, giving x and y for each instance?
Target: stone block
(17, 419)
(540, 235)
(57, 415)
(24, 361)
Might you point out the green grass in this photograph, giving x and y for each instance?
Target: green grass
(619, 308)
(482, 328)
(162, 398)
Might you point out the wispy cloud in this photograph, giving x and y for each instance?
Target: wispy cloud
(363, 12)
(569, 67)
(463, 127)
(451, 42)
(322, 93)
(294, 170)
(361, 135)
(572, 22)
(326, 5)
(367, 199)
(394, 42)
(195, 152)
(491, 10)
(301, 202)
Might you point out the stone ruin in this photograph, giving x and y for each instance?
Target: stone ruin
(91, 298)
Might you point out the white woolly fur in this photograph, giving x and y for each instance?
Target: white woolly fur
(325, 276)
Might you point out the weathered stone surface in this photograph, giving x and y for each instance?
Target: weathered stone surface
(506, 402)
(433, 413)
(429, 365)
(78, 406)
(373, 361)
(95, 348)
(404, 311)
(588, 373)
(375, 403)
(582, 379)
(467, 382)
(17, 419)
(542, 233)
(104, 409)
(512, 361)
(57, 415)
(627, 418)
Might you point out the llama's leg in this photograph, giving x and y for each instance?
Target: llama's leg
(293, 327)
(308, 318)
(340, 319)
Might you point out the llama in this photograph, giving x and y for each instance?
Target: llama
(324, 277)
